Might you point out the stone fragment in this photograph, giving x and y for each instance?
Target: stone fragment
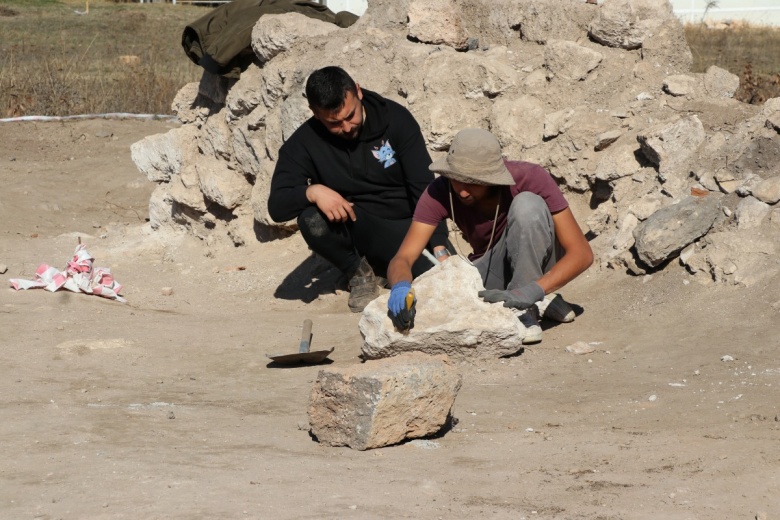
(451, 319)
(246, 94)
(161, 208)
(617, 162)
(248, 151)
(735, 257)
(618, 25)
(383, 402)
(158, 156)
(184, 104)
(568, 60)
(664, 49)
(541, 20)
(275, 33)
(670, 144)
(646, 206)
(557, 123)
(680, 85)
(720, 83)
(580, 348)
(185, 189)
(222, 185)
(749, 181)
(773, 121)
(437, 22)
(624, 239)
(667, 231)
(517, 123)
(751, 212)
(727, 182)
(214, 139)
(3, 268)
(768, 190)
(605, 139)
(166, 291)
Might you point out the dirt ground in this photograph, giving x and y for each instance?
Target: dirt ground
(166, 407)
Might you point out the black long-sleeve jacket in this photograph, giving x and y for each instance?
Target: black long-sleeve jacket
(384, 171)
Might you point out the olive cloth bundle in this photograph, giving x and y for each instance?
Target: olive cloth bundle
(221, 40)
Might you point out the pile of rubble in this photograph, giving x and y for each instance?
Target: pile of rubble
(659, 163)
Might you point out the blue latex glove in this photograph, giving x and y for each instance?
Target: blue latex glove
(401, 305)
(521, 298)
(397, 300)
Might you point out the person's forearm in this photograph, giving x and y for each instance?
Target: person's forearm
(399, 270)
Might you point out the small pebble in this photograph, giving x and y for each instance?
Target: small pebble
(3, 268)
(171, 415)
(727, 358)
(580, 348)
(166, 291)
(653, 398)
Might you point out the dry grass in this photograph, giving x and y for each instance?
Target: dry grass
(115, 58)
(753, 53)
(127, 57)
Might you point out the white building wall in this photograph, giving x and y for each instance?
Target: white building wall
(759, 12)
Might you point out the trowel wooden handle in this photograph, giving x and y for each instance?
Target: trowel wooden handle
(305, 336)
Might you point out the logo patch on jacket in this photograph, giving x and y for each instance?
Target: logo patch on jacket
(385, 154)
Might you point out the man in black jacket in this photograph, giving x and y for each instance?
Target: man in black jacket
(352, 175)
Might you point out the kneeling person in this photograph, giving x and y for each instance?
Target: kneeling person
(526, 242)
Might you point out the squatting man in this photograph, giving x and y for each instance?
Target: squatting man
(352, 175)
(526, 242)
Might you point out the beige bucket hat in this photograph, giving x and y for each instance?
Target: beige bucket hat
(474, 158)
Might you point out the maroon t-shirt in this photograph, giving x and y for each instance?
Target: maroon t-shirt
(434, 205)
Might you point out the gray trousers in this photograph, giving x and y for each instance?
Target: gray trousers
(527, 248)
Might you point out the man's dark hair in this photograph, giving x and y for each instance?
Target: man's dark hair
(327, 87)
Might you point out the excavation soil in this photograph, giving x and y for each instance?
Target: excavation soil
(167, 406)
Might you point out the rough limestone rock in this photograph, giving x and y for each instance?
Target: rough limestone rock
(669, 144)
(667, 231)
(451, 319)
(735, 258)
(605, 139)
(570, 61)
(680, 85)
(158, 156)
(555, 80)
(383, 402)
(437, 22)
(751, 212)
(161, 208)
(275, 33)
(720, 83)
(619, 25)
(768, 190)
(186, 105)
(222, 185)
(618, 162)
